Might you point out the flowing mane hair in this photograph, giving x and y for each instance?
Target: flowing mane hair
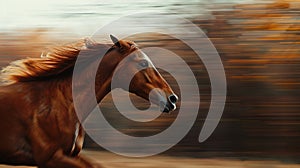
(55, 62)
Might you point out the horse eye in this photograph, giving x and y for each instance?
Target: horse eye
(143, 63)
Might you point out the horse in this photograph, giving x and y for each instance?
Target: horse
(38, 121)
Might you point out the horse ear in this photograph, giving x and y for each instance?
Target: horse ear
(115, 40)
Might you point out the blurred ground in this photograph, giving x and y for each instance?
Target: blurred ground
(109, 160)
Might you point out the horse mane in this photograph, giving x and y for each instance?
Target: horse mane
(55, 62)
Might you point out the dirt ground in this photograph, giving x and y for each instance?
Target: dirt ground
(110, 160)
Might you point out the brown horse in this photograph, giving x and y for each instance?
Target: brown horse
(38, 122)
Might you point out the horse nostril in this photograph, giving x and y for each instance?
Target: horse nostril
(173, 98)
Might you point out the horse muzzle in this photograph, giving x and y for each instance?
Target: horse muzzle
(169, 105)
(164, 100)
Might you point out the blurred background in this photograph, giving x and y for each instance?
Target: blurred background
(259, 44)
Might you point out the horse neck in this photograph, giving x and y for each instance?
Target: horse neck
(102, 80)
(104, 75)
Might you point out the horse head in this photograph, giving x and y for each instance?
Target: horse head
(144, 79)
